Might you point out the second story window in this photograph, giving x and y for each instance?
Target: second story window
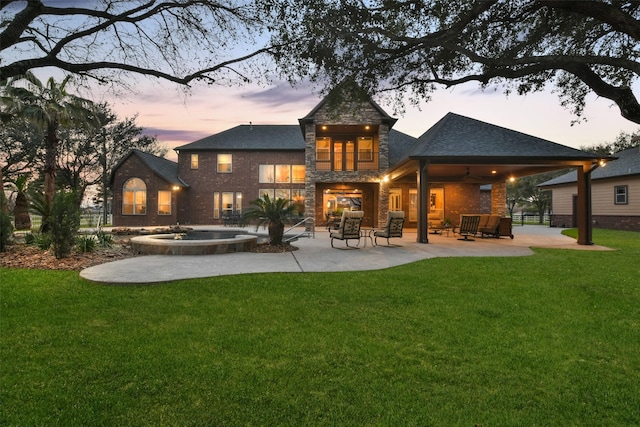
(224, 163)
(194, 161)
(298, 173)
(283, 173)
(266, 174)
(365, 148)
(323, 149)
(346, 153)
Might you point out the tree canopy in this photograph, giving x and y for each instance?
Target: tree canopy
(180, 41)
(411, 47)
(399, 47)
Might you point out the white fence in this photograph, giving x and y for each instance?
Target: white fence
(529, 218)
(87, 220)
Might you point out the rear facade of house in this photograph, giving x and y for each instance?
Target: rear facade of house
(345, 156)
(330, 161)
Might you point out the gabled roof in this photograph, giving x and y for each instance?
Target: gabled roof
(251, 137)
(627, 164)
(459, 136)
(164, 168)
(386, 118)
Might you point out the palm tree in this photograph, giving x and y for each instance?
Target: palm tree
(21, 208)
(49, 106)
(272, 212)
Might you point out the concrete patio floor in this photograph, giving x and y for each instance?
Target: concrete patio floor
(317, 255)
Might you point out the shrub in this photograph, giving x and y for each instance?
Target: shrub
(6, 230)
(29, 239)
(104, 239)
(41, 240)
(65, 222)
(86, 243)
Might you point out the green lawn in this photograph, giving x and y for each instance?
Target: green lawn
(550, 339)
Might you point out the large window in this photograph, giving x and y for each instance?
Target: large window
(267, 174)
(227, 203)
(134, 197)
(283, 193)
(224, 163)
(283, 173)
(268, 191)
(298, 173)
(164, 202)
(224, 204)
(621, 194)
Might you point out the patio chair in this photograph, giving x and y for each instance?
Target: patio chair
(349, 228)
(468, 226)
(490, 227)
(393, 228)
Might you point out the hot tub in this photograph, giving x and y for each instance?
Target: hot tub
(195, 242)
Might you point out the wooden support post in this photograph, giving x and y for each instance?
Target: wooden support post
(585, 224)
(423, 198)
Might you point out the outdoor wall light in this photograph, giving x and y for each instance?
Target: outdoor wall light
(512, 179)
(602, 163)
(385, 178)
(175, 188)
(493, 172)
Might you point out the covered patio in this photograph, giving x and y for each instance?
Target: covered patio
(459, 149)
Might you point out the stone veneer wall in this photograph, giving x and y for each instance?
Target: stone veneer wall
(358, 114)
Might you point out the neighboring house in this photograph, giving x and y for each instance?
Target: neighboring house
(336, 158)
(615, 194)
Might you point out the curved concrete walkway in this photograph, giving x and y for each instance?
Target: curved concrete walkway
(316, 255)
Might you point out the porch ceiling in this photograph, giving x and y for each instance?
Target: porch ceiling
(477, 170)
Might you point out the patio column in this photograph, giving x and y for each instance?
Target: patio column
(585, 224)
(423, 197)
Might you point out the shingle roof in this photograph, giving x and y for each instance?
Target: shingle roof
(455, 135)
(251, 137)
(164, 168)
(386, 118)
(399, 144)
(627, 164)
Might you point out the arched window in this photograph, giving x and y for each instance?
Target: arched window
(134, 197)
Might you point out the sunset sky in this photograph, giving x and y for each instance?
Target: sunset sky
(178, 119)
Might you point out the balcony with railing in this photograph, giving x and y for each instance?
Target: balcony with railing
(364, 161)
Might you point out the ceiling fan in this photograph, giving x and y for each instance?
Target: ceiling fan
(469, 176)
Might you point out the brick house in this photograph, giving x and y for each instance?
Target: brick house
(345, 156)
(615, 195)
